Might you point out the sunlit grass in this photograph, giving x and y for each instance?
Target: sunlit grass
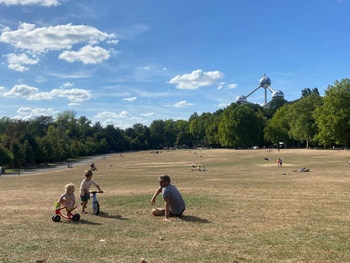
(242, 209)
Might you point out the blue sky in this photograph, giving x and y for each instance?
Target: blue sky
(125, 62)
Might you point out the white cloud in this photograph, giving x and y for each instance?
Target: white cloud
(74, 95)
(130, 99)
(149, 114)
(23, 91)
(196, 79)
(31, 2)
(181, 104)
(109, 115)
(232, 86)
(87, 55)
(36, 111)
(39, 40)
(16, 62)
(124, 114)
(223, 105)
(32, 93)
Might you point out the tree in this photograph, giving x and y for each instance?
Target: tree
(157, 130)
(5, 157)
(306, 92)
(277, 129)
(333, 117)
(183, 136)
(226, 128)
(302, 123)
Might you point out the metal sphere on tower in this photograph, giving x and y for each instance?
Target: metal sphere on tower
(241, 98)
(265, 82)
(277, 94)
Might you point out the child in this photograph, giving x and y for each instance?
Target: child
(84, 189)
(67, 199)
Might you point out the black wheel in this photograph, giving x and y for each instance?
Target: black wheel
(56, 218)
(76, 217)
(95, 208)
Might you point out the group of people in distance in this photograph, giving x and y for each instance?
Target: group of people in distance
(174, 203)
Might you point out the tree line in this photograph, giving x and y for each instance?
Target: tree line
(310, 121)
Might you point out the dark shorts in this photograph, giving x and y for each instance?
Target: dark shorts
(178, 215)
(85, 197)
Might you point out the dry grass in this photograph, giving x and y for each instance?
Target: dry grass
(242, 209)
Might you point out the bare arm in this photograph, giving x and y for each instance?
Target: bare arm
(99, 188)
(153, 200)
(167, 208)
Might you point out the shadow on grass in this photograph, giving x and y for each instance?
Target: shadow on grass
(86, 222)
(195, 219)
(106, 215)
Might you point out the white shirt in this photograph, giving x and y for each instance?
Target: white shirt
(85, 186)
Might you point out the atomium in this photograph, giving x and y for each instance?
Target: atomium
(264, 83)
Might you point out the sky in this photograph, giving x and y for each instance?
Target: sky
(121, 62)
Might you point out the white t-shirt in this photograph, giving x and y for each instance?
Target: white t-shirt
(85, 186)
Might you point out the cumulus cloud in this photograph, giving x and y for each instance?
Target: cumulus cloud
(17, 62)
(87, 55)
(43, 39)
(22, 91)
(31, 2)
(74, 95)
(36, 111)
(196, 79)
(130, 99)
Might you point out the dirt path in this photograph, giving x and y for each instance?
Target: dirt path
(61, 166)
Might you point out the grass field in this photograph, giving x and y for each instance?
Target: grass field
(241, 209)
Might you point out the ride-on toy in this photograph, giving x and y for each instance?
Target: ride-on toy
(69, 216)
(95, 204)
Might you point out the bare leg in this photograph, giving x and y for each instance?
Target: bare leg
(83, 206)
(158, 212)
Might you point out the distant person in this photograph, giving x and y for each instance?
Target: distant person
(93, 167)
(84, 189)
(174, 203)
(67, 199)
(0, 170)
(279, 162)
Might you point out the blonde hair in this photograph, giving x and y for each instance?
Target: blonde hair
(69, 186)
(88, 173)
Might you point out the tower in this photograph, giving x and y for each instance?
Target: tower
(264, 83)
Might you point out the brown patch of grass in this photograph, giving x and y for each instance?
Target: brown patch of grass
(242, 209)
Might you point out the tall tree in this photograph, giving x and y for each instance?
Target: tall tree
(333, 117)
(226, 128)
(277, 129)
(302, 123)
(157, 130)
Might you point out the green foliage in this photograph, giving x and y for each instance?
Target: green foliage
(309, 121)
(333, 117)
(302, 123)
(278, 126)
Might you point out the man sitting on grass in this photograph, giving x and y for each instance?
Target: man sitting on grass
(174, 203)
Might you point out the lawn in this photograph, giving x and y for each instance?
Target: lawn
(241, 209)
